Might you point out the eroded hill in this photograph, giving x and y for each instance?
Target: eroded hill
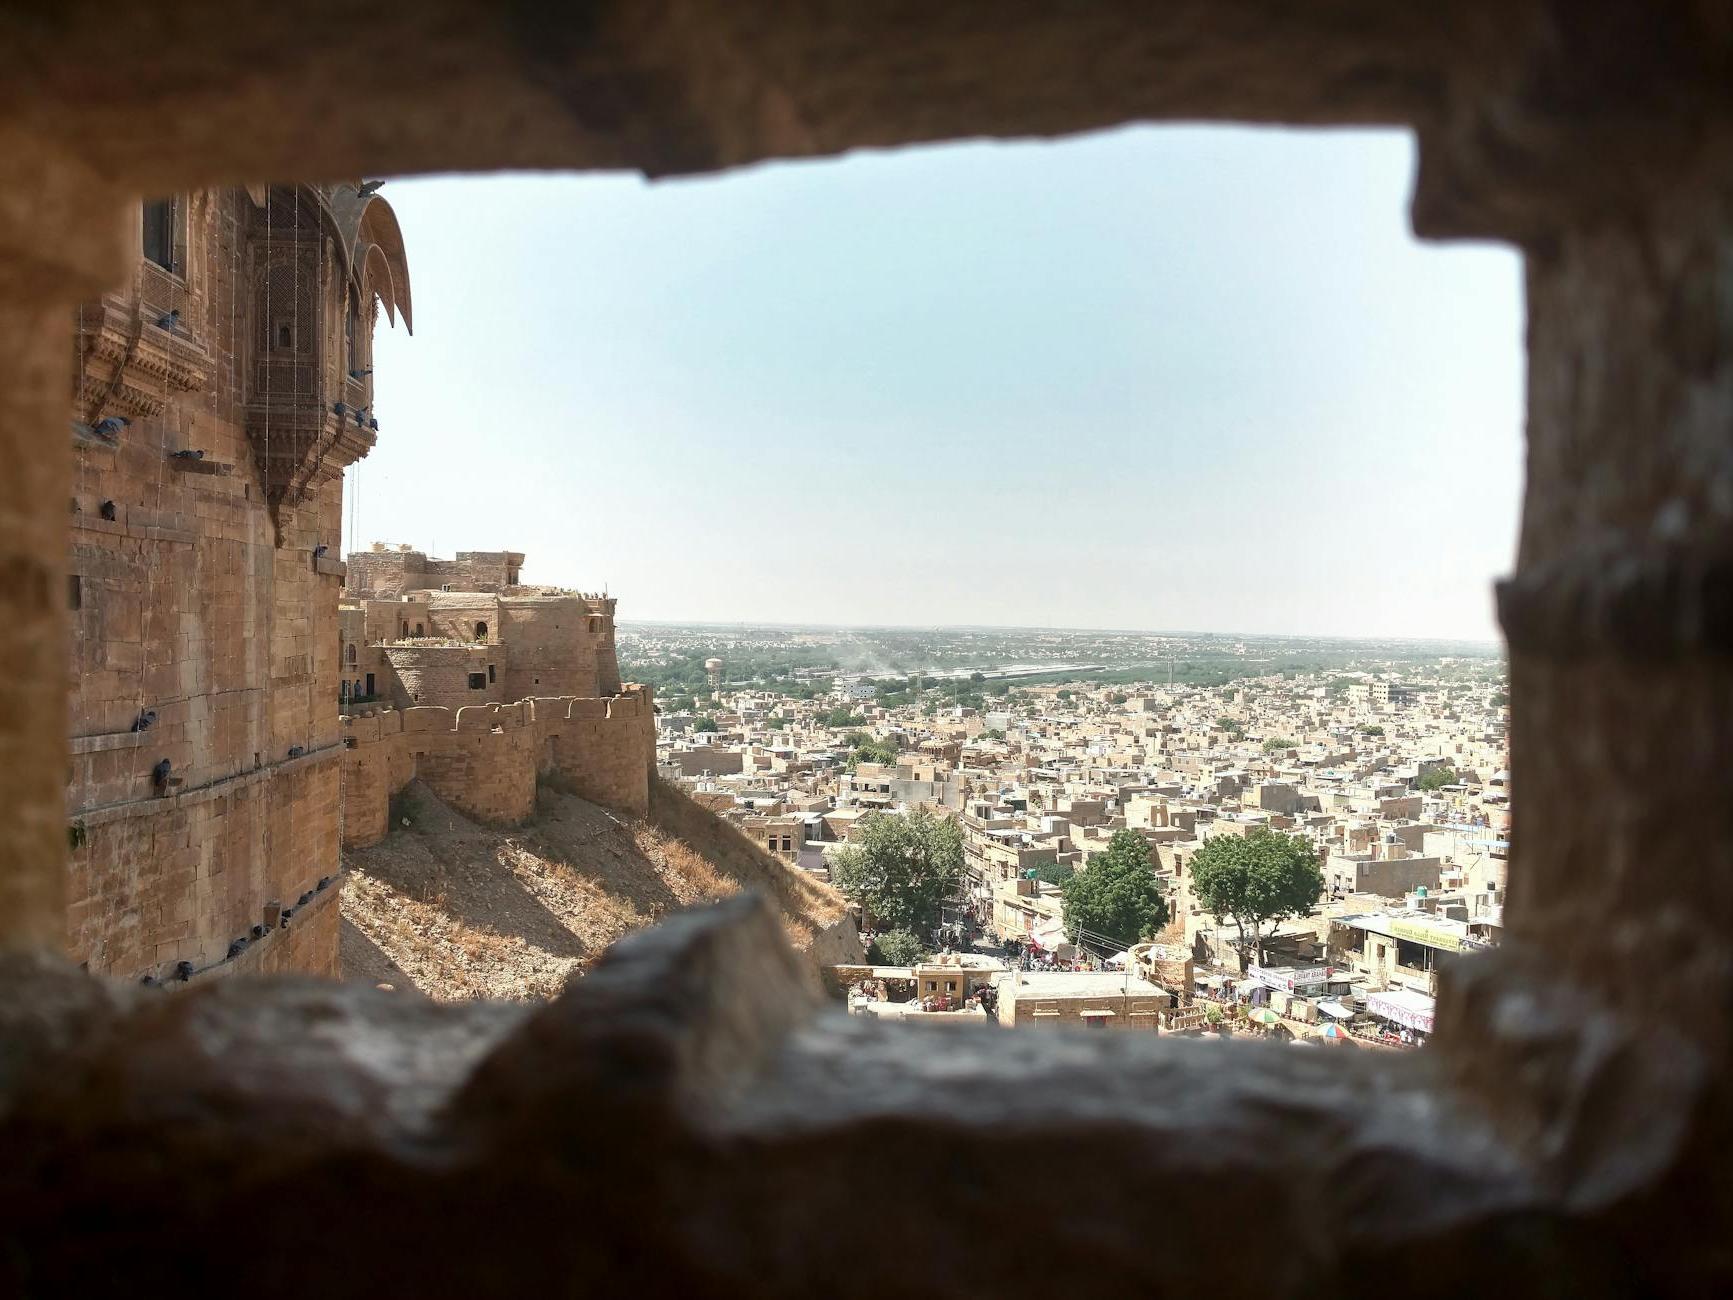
(459, 910)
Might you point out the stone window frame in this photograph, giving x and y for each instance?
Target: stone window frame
(1563, 1117)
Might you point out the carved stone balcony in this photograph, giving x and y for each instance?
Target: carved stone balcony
(299, 439)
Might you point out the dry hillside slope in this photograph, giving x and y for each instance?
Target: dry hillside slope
(458, 910)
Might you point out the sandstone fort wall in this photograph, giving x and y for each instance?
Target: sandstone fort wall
(178, 878)
(485, 760)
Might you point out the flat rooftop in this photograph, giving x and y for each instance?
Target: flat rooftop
(1078, 984)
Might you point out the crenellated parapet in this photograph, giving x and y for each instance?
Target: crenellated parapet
(485, 759)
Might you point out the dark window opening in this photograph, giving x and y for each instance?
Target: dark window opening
(284, 333)
(481, 631)
(491, 679)
(159, 232)
(418, 629)
(1415, 956)
(74, 591)
(477, 681)
(370, 683)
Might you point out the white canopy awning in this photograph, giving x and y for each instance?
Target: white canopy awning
(1403, 1007)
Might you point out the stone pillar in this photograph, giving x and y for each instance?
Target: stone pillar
(1620, 616)
(63, 237)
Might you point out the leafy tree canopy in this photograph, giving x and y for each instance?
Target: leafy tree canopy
(1117, 894)
(1436, 779)
(705, 724)
(896, 948)
(901, 868)
(870, 751)
(1254, 880)
(1276, 744)
(840, 716)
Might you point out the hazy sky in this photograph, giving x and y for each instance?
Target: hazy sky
(1165, 378)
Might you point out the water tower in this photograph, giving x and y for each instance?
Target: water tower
(713, 670)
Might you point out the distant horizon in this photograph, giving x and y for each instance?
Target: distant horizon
(785, 625)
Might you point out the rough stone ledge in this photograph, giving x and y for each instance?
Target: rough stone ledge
(685, 1120)
(1643, 601)
(109, 740)
(216, 788)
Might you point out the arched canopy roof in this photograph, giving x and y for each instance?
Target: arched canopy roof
(372, 244)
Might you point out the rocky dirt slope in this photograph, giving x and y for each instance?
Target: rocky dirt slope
(458, 910)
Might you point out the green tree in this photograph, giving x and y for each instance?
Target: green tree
(840, 716)
(1436, 779)
(896, 948)
(1116, 895)
(1276, 744)
(1254, 880)
(869, 751)
(1053, 871)
(705, 724)
(901, 868)
(1371, 729)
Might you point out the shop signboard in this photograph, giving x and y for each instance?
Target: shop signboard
(1429, 935)
(1288, 980)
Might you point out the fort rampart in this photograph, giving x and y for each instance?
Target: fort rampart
(485, 759)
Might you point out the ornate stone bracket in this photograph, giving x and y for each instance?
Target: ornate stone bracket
(130, 365)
